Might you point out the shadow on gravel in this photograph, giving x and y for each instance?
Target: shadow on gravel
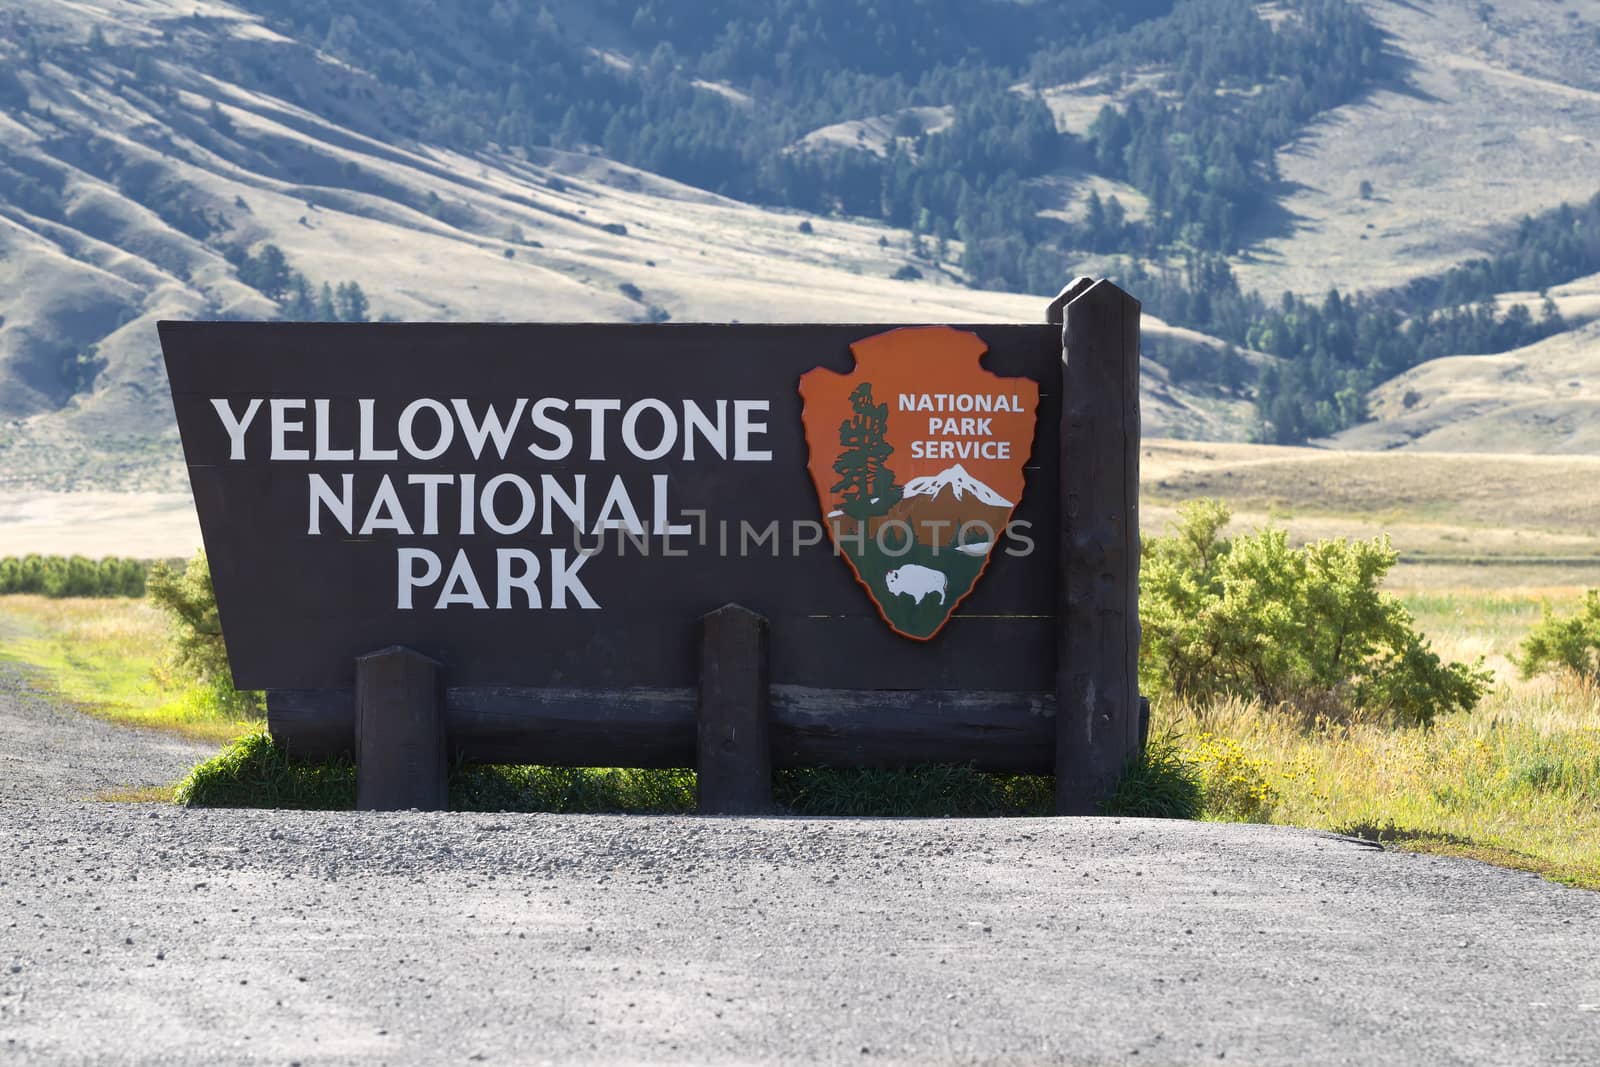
(1438, 843)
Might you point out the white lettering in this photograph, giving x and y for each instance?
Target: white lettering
(555, 429)
(430, 499)
(564, 580)
(447, 429)
(744, 427)
(491, 518)
(556, 497)
(695, 421)
(597, 410)
(326, 453)
(236, 426)
(617, 500)
(478, 432)
(508, 581)
(282, 428)
(342, 506)
(661, 526)
(461, 575)
(410, 579)
(630, 429)
(369, 452)
(386, 512)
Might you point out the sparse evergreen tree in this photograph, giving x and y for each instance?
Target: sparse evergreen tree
(352, 303)
(866, 485)
(267, 272)
(326, 311)
(301, 305)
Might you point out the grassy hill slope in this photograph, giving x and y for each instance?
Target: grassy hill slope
(1544, 398)
(1495, 114)
(131, 190)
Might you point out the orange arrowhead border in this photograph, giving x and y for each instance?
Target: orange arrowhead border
(932, 354)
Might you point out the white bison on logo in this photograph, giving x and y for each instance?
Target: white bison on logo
(916, 581)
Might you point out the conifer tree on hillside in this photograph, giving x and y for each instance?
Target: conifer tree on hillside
(352, 303)
(326, 311)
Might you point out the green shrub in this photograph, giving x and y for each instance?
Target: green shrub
(256, 772)
(1570, 643)
(196, 652)
(571, 789)
(72, 576)
(1255, 618)
(927, 792)
(1158, 783)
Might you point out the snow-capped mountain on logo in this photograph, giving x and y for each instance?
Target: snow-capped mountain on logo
(959, 482)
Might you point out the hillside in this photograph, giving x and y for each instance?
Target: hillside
(1544, 398)
(132, 200)
(913, 160)
(1493, 113)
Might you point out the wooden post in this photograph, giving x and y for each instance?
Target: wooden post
(734, 745)
(1097, 664)
(400, 736)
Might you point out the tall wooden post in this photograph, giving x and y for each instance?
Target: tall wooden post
(734, 743)
(400, 735)
(1097, 651)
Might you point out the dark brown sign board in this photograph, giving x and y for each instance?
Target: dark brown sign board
(548, 515)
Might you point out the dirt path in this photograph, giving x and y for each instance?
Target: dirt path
(146, 933)
(54, 754)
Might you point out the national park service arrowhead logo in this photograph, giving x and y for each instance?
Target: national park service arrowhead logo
(917, 458)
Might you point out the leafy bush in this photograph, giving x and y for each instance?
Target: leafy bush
(74, 576)
(196, 652)
(1569, 643)
(256, 772)
(1255, 618)
(1158, 783)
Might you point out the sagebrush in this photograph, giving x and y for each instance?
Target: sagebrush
(73, 576)
(196, 652)
(1253, 617)
(1565, 642)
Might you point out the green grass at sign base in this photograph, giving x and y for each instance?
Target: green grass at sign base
(255, 772)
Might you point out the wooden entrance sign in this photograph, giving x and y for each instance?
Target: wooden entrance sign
(728, 547)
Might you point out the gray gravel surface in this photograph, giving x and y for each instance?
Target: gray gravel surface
(51, 753)
(150, 934)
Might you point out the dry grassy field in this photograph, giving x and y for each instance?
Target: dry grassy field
(1485, 522)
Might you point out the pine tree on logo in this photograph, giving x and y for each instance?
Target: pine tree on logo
(866, 485)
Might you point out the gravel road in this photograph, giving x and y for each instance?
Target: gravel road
(50, 753)
(142, 933)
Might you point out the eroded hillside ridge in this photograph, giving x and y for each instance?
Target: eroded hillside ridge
(146, 164)
(826, 160)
